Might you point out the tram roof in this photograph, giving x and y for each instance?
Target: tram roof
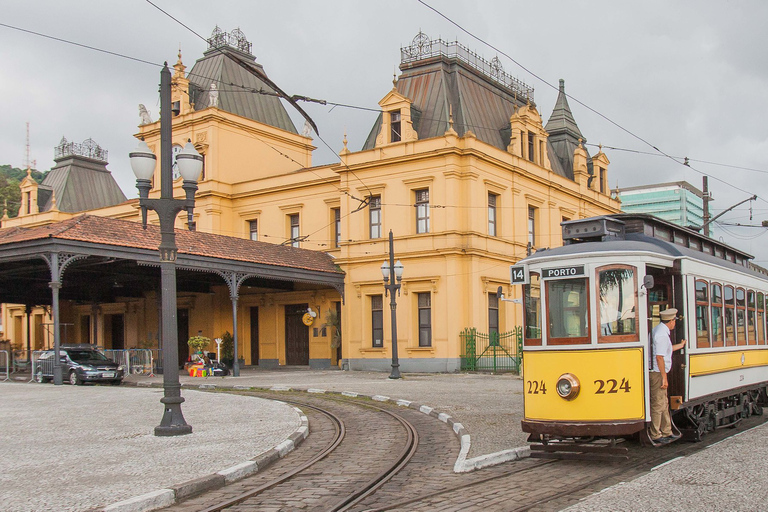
(638, 237)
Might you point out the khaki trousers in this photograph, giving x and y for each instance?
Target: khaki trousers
(661, 426)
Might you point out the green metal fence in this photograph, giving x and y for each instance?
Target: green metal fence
(497, 352)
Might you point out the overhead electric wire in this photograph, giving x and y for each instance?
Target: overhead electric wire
(176, 20)
(61, 40)
(545, 82)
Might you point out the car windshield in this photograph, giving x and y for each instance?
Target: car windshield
(86, 355)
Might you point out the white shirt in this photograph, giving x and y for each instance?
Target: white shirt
(662, 346)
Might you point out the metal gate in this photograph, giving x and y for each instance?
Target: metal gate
(496, 352)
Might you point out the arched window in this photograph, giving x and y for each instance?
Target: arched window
(718, 331)
(751, 318)
(730, 316)
(741, 314)
(702, 314)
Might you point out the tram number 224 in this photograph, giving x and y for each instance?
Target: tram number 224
(538, 387)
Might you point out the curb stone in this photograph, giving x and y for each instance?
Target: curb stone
(160, 498)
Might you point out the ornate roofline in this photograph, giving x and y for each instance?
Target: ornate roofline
(422, 47)
(89, 149)
(235, 39)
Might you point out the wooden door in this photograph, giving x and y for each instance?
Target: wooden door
(254, 336)
(296, 335)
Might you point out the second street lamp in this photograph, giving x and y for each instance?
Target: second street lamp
(167, 208)
(392, 284)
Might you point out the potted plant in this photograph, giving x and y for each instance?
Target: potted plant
(198, 343)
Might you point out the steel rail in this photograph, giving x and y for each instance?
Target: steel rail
(339, 434)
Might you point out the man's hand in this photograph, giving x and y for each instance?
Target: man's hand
(664, 382)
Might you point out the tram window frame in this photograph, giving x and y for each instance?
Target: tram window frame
(716, 304)
(528, 303)
(703, 339)
(741, 316)
(730, 314)
(611, 337)
(761, 318)
(583, 310)
(751, 318)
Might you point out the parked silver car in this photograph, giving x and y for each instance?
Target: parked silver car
(81, 363)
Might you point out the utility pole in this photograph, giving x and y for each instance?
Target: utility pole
(707, 197)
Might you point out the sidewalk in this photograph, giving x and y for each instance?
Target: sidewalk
(80, 447)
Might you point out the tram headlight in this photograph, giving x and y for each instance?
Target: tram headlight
(568, 386)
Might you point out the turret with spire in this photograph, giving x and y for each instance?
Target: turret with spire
(564, 133)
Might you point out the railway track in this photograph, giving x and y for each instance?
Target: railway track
(316, 482)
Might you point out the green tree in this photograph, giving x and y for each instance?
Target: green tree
(10, 177)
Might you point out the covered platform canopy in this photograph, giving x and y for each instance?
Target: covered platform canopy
(96, 260)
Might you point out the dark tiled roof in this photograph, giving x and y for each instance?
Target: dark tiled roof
(79, 184)
(564, 133)
(115, 232)
(438, 84)
(244, 101)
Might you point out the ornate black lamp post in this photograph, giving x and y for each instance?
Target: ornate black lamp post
(190, 164)
(391, 286)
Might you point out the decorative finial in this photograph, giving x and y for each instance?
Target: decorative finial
(5, 210)
(53, 201)
(450, 117)
(580, 141)
(600, 147)
(394, 78)
(345, 139)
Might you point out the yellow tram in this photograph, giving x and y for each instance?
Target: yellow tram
(590, 306)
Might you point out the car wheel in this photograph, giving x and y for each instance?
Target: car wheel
(74, 379)
(39, 376)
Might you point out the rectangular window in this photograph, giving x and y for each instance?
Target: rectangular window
(532, 226)
(253, 229)
(28, 201)
(374, 214)
(741, 317)
(422, 211)
(492, 214)
(567, 311)
(336, 226)
(751, 315)
(617, 292)
(425, 319)
(541, 153)
(602, 180)
(394, 121)
(377, 321)
(760, 318)
(718, 331)
(702, 314)
(295, 230)
(530, 146)
(730, 316)
(493, 315)
(532, 300)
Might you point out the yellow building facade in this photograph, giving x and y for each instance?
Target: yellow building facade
(459, 166)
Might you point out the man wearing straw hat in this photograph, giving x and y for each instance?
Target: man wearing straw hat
(661, 425)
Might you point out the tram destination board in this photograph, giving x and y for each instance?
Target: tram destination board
(572, 271)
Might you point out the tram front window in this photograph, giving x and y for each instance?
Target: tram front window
(616, 289)
(533, 311)
(567, 311)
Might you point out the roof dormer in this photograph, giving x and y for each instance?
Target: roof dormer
(396, 120)
(28, 187)
(528, 139)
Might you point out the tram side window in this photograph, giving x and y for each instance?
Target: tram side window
(617, 290)
(702, 315)
(760, 318)
(730, 316)
(751, 314)
(533, 310)
(718, 332)
(741, 324)
(567, 312)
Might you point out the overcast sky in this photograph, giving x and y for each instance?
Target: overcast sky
(688, 77)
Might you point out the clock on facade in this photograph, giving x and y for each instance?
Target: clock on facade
(175, 150)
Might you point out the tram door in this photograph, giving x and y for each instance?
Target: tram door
(667, 293)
